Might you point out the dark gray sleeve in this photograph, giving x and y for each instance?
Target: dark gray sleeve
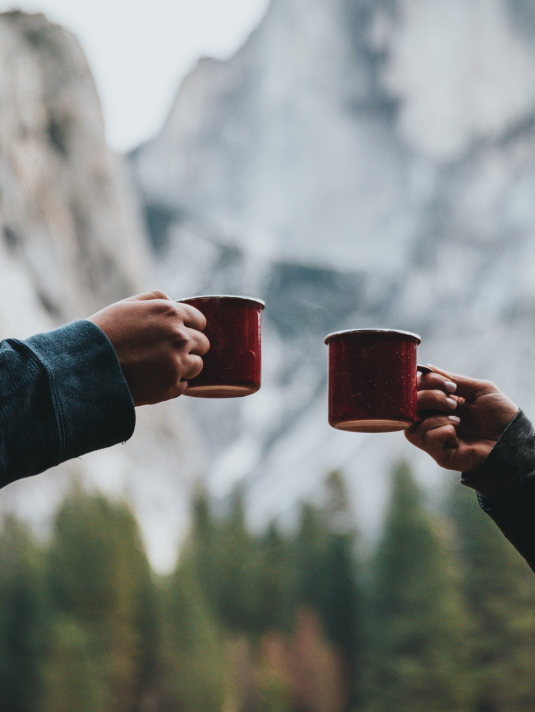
(505, 485)
(62, 394)
(511, 462)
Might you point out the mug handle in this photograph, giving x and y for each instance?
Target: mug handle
(423, 369)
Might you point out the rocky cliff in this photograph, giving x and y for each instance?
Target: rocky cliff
(71, 241)
(356, 163)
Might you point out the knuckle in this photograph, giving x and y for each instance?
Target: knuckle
(180, 335)
(432, 434)
(162, 308)
(158, 294)
(184, 307)
(189, 312)
(176, 372)
(202, 320)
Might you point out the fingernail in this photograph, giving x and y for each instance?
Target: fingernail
(452, 403)
(450, 386)
(454, 419)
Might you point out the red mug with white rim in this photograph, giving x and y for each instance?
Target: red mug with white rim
(372, 380)
(232, 366)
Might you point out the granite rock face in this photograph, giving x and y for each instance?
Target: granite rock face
(72, 241)
(356, 163)
(67, 218)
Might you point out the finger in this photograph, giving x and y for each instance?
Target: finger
(431, 380)
(199, 343)
(434, 432)
(468, 388)
(192, 367)
(436, 400)
(418, 430)
(441, 438)
(191, 316)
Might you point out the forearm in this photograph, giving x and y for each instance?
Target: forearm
(62, 394)
(505, 485)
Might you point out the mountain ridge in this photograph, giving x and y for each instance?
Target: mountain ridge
(378, 172)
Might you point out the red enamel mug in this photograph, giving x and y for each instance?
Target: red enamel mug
(232, 366)
(372, 380)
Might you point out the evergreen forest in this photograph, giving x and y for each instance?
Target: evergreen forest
(437, 614)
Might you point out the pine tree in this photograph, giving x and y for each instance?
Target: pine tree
(310, 554)
(23, 619)
(194, 607)
(223, 553)
(74, 671)
(499, 588)
(195, 670)
(417, 613)
(342, 607)
(327, 572)
(305, 668)
(104, 600)
(274, 608)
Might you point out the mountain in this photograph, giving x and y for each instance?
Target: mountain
(356, 163)
(71, 241)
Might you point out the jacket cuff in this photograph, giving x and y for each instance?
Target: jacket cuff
(510, 464)
(91, 397)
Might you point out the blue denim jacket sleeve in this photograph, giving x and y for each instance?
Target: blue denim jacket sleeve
(62, 394)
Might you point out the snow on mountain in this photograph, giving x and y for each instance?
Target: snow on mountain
(356, 163)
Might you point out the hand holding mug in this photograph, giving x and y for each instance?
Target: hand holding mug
(461, 419)
(159, 344)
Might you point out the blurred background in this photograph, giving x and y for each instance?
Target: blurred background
(353, 163)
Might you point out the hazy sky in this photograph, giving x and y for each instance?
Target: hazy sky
(139, 50)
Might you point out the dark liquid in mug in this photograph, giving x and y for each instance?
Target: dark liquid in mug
(232, 366)
(372, 381)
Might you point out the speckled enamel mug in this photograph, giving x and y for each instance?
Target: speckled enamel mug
(232, 366)
(372, 380)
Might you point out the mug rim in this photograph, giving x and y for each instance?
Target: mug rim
(234, 297)
(398, 332)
